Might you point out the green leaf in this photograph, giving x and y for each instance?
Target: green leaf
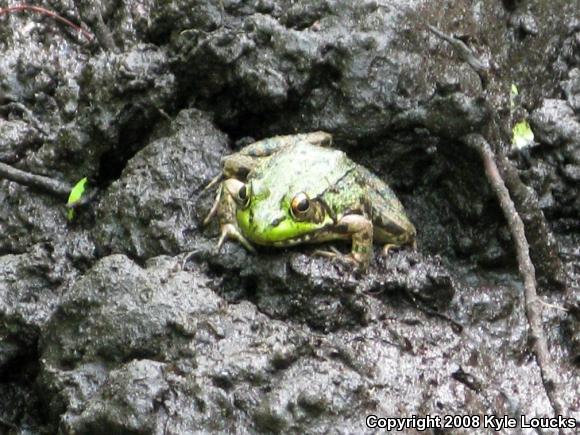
(514, 90)
(75, 196)
(523, 135)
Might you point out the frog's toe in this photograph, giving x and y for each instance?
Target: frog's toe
(390, 246)
(362, 260)
(214, 207)
(230, 231)
(333, 253)
(387, 248)
(349, 259)
(215, 180)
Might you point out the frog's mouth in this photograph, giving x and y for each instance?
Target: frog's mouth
(306, 238)
(318, 236)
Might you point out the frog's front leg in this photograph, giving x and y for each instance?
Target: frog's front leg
(224, 208)
(360, 229)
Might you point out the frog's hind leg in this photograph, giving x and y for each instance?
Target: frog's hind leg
(271, 145)
(320, 138)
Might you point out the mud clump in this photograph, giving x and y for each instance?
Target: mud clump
(126, 319)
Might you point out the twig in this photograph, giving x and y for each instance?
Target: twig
(544, 246)
(457, 326)
(102, 32)
(526, 268)
(28, 113)
(44, 11)
(466, 53)
(46, 184)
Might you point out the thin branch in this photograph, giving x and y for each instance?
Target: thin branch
(46, 184)
(465, 52)
(47, 12)
(457, 326)
(28, 113)
(103, 33)
(533, 306)
(544, 246)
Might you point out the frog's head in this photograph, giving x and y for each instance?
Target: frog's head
(278, 217)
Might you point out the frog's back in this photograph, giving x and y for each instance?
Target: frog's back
(303, 167)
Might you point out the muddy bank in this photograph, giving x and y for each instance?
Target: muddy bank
(126, 320)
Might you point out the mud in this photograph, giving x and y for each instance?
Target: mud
(126, 319)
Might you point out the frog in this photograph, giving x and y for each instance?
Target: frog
(293, 189)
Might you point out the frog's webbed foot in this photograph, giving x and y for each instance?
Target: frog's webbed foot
(335, 254)
(230, 231)
(224, 208)
(224, 205)
(360, 229)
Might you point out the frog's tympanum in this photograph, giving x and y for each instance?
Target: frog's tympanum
(287, 190)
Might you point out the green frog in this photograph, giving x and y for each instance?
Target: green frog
(288, 190)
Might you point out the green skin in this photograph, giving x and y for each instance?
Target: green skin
(288, 190)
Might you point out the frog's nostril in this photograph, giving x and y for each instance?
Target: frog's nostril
(276, 221)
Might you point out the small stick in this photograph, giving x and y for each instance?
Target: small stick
(526, 269)
(457, 326)
(93, 15)
(47, 184)
(544, 246)
(35, 123)
(44, 11)
(466, 53)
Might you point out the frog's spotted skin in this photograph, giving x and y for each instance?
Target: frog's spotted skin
(288, 190)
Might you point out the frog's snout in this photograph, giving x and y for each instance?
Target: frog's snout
(260, 224)
(264, 221)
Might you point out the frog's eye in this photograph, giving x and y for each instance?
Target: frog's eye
(244, 195)
(300, 205)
